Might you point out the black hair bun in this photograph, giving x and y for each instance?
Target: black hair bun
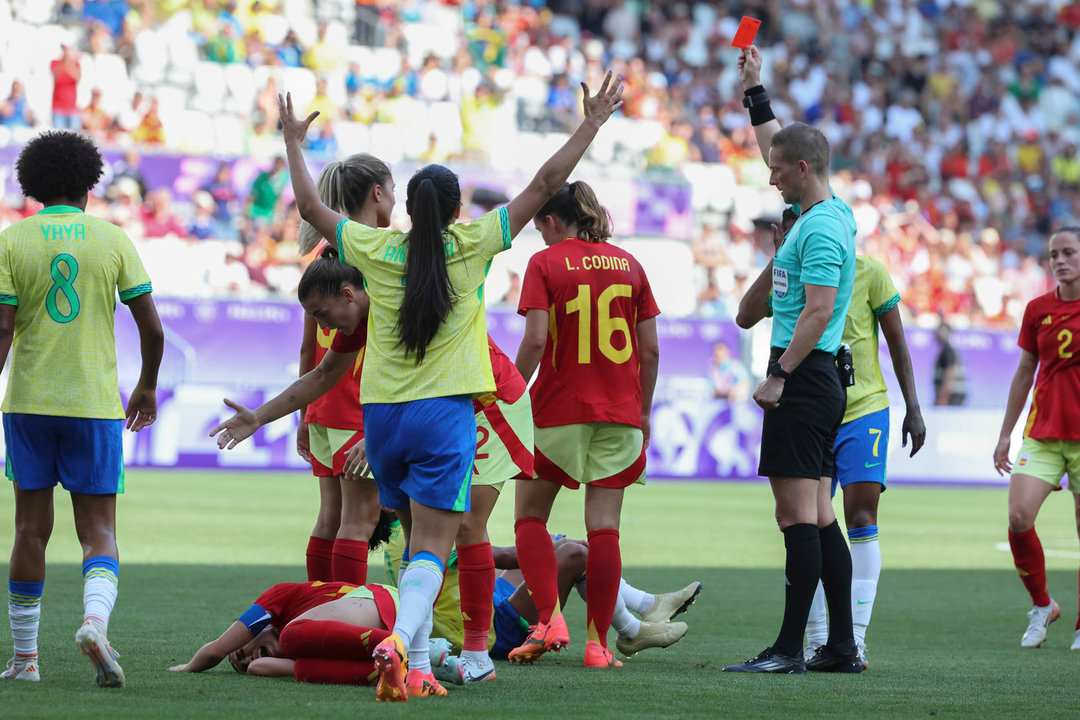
(329, 252)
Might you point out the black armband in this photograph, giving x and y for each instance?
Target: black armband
(756, 99)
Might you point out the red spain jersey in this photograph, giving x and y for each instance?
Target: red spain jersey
(1051, 331)
(595, 295)
(509, 385)
(285, 602)
(340, 407)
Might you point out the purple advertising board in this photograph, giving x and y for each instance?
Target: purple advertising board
(249, 351)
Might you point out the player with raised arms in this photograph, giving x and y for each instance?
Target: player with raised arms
(590, 325)
(1050, 342)
(60, 273)
(427, 358)
(362, 188)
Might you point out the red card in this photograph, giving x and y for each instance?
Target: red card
(744, 36)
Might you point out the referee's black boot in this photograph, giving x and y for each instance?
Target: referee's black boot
(771, 661)
(828, 660)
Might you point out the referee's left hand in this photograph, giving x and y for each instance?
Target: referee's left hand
(768, 393)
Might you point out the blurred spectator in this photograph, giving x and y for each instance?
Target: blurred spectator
(66, 74)
(231, 277)
(203, 225)
(225, 197)
(225, 46)
(328, 110)
(323, 56)
(950, 379)
(158, 217)
(94, 118)
(728, 377)
(14, 112)
(110, 13)
(150, 130)
(324, 142)
(266, 193)
(290, 51)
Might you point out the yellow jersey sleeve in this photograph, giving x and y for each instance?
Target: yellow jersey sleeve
(133, 280)
(487, 235)
(883, 294)
(8, 296)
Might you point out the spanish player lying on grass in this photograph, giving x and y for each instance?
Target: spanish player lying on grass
(322, 632)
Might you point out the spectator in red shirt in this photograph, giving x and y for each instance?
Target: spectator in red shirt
(158, 217)
(66, 75)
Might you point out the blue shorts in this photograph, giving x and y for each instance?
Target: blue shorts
(85, 455)
(861, 449)
(422, 450)
(510, 628)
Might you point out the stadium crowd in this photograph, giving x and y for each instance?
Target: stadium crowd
(954, 125)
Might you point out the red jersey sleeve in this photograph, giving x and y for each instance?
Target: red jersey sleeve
(1029, 328)
(344, 344)
(534, 290)
(276, 599)
(646, 305)
(509, 385)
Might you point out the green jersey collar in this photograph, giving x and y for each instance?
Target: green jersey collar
(59, 210)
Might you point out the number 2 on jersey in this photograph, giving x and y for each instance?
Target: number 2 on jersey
(606, 325)
(1065, 336)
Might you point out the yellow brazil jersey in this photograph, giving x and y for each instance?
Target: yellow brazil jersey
(457, 361)
(446, 620)
(873, 295)
(62, 269)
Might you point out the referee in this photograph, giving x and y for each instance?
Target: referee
(810, 280)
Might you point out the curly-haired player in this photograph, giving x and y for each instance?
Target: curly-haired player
(60, 271)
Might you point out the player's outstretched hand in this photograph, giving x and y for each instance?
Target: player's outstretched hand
(606, 101)
(916, 428)
(292, 129)
(356, 465)
(749, 64)
(141, 409)
(239, 427)
(1001, 457)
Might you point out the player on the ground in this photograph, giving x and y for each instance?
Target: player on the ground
(590, 324)
(362, 188)
(1050, 341)
(862, 441)
(426, 359)
(514, 610)
(60, 272)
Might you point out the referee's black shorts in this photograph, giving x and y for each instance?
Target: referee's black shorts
(797, 438)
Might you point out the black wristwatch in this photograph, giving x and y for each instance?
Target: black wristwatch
(777, 370)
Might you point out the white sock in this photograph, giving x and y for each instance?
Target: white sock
(100, 586)
(24, 628)
(637, 600)
(478, 656)
(817, 624)
(625, 624)
(865, 572)
(419, 655)
(419, 586)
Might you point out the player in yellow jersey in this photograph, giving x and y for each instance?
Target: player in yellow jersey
(60, 273)
(863, 438)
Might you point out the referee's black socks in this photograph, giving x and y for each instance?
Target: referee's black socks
(836, 579)
(802, 568)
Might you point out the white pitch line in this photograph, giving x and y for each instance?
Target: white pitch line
(1071, 554)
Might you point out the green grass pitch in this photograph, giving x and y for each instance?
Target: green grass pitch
(196, 548)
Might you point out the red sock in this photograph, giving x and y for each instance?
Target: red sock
(350, 561)
(335, 672)
(603, 569)
(1031, 564)
(329, 639)
(318, 558)
(476, 579)
(536, 557)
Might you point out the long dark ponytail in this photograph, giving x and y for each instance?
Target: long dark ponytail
(433, 197)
